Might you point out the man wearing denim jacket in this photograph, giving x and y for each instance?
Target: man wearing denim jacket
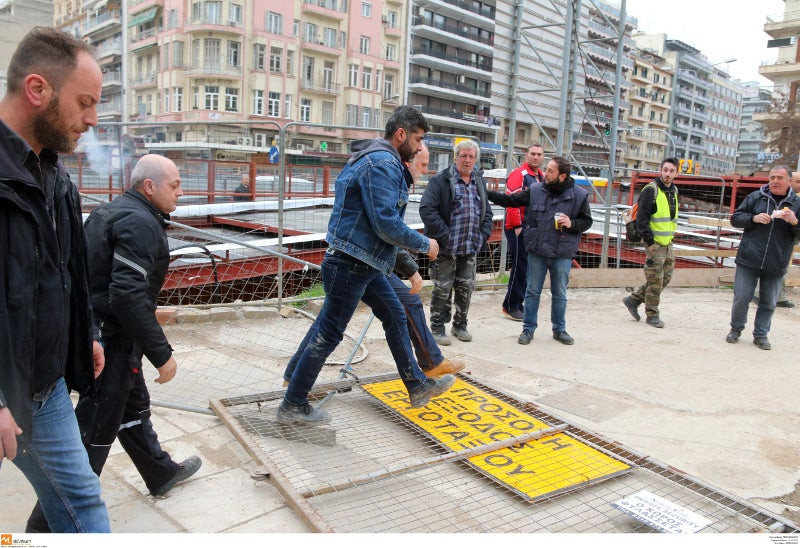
(365, 229)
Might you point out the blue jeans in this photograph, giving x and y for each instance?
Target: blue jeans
(425, 347)
(57, 466)
(517, 274)
(538, 267)
(744, 286)
(347, 281)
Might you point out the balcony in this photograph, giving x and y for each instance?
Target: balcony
(142, 81)
(462, 11)
(445, 89)
(216, 25)
(458, 34)
(458, 119)
(320, 46)
(783, 25)
(328, 9)
(145, 39)
(452, 63)
(782, 69)
(101, 22)
(112, 79)
(320, 86)
(108, 49)
(218, 70)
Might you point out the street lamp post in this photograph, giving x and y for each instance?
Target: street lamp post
(691, 107)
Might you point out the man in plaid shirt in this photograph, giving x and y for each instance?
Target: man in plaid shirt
(457, 214)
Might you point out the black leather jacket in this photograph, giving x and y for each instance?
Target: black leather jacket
(45, 316)
(130, 258)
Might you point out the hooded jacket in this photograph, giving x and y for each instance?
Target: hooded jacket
(371, 198)
(45, 316)
(765, 247)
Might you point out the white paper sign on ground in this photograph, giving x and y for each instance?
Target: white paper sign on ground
(661, 514)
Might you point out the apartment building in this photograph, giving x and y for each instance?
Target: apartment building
(724, 121)
(647, 140)
(783, 29)
(752, 155)
(699, 91)
(450, 71)
(17, 17)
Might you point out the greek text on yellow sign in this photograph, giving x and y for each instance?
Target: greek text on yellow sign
(467, 417)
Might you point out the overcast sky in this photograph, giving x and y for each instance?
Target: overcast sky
(720, 29)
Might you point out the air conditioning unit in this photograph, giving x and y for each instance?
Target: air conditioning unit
(385, 19)
(245, 141)
(233, 23)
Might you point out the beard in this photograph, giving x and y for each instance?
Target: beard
(50, 131)
(406, 152)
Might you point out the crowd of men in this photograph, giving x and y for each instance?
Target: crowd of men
(78, 302)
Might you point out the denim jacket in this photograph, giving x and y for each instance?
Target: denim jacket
(369, 205)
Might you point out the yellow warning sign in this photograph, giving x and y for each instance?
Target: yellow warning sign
(466, 417)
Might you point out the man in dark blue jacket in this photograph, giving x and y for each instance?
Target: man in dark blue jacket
(769, 219)
(365, 228)
(557, 214)
(46, 347)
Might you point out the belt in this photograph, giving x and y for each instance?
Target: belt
(333, 252)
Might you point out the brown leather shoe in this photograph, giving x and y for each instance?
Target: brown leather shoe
(447, 366)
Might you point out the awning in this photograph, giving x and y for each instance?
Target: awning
(144, 17)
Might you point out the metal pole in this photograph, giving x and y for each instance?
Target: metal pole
(612, 156)
(691, 118)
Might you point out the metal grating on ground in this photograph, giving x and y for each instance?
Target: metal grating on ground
(372, 470)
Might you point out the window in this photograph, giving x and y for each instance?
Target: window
(196, 95)
(393, 19)
(305, 110)
(165, 55)
(287, 106)
(310, 33)
(207, 12)
(342, 39)
(388, 87)
(391, 52)
(275, 56)
(330, 37)
(258, 102)
(177, 99)
(296, 27)
(195, 53)
(166, 99)
(177, 54)
(211, 98)
(172, 18)
(233, 54)
(274, 104)
(289, 63)
(327, 112)
(353, 76)
(367, 78)
(212, 53)
(235, 14)
(351, 115)
(363, 45)
(366, 9)
(232, 99)
(259, 56)
(274, 23)
(378, 74)
(308, 70)
(366, 116)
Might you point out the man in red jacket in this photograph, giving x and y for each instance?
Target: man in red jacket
(519, 179)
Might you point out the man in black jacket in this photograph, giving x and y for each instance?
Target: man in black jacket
(46, 347)
(129, 261)
(456, 213)
(769, 219)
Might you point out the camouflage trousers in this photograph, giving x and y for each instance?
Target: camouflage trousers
(453, 276)
(658, 268)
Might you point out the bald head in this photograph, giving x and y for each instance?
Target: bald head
(795, 182)
(419, 164)
(156, 178)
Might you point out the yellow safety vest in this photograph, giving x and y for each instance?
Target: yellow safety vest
(661, 225)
